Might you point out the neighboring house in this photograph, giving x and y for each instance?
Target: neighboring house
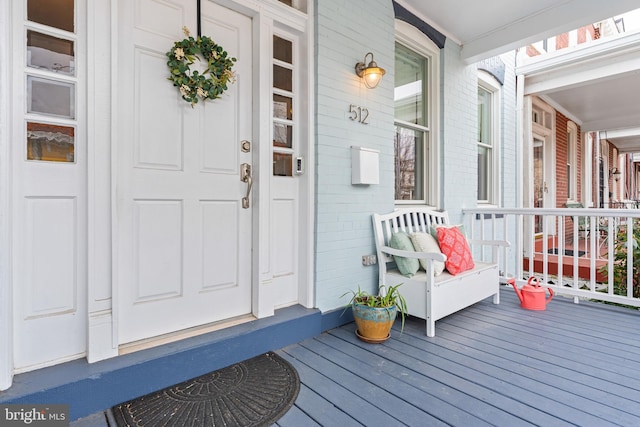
(572, 164)
(122, 216)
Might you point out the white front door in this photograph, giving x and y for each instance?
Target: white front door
(184, 253)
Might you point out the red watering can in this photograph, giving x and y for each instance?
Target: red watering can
(532, 295)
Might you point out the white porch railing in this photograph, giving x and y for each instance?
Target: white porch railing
(600, 251)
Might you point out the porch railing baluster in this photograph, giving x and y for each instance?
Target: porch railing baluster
(594, 262)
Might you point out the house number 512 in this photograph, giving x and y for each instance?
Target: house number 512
(359, 114)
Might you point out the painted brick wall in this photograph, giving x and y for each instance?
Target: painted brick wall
(459, 113)
(459, 124)
(343, 211)
(511, 173)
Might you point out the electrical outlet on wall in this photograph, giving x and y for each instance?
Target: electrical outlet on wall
(369, 259)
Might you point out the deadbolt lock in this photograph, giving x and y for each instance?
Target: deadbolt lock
(245, 146)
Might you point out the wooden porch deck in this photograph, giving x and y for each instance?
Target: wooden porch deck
(573, 364)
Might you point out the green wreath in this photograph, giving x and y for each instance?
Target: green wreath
(212, 82)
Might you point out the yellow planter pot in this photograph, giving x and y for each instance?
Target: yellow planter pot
(373, 323)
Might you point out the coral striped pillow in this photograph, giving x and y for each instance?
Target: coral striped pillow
(454, 245)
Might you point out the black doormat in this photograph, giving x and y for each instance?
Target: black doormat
(255, 392)
(567, 252)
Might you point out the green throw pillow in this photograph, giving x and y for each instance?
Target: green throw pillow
(407, 266)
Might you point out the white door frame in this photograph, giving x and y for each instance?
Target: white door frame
(547, 135)
(6, 306)
(102, 34)
(264, 17)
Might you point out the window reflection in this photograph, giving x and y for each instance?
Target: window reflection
(282, 164)
(408, 150)
(282, 78)
(282, 135)
(282, 50)
(50, 97)
(50, 53)
(51, 143)
(282, 107)
(54, 13)
(410, 80)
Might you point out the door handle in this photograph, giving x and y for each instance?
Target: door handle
(245, 176)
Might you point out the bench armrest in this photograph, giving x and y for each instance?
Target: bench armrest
(436, 256)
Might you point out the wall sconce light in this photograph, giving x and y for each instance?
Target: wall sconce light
(615, 173)
(372, 74)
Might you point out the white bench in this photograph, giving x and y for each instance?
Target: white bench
(428, 296)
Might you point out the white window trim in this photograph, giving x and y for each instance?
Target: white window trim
(415, 40)
(293, 94)
(572, 130)
(490, 84)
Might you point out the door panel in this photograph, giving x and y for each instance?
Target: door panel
(184, 240)
(159, 123)
(157, 249)
(220, 238)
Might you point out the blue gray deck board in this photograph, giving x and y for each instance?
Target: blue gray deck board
(573, 364)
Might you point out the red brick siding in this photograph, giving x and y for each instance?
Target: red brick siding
(532, 51)
(562, 41)
(561, 166)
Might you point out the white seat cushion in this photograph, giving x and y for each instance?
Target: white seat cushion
(424, 242)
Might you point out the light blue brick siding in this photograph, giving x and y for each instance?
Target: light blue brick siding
(511, 174)
(343, 211)
(459, 119)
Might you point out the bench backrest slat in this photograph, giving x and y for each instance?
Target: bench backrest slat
(409, 220)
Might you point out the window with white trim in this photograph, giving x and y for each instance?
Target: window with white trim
(284, 119)
(488, 139)
(51, 81)
(415, 101)
(572, 161)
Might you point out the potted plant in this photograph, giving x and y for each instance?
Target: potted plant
(375, 314)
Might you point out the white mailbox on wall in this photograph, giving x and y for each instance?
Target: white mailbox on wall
(365, 165)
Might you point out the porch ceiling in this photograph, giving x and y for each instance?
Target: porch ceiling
(595, 85)
(491, 27)
(599, 91)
